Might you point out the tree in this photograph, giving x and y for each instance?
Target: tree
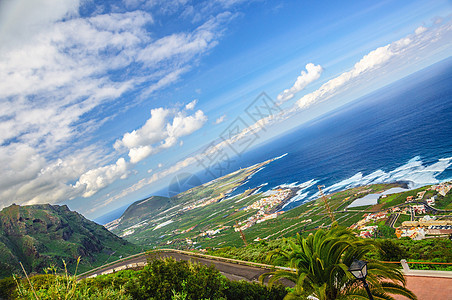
(320, 263)
(390, 251)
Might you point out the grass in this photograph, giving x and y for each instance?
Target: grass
(402, 218)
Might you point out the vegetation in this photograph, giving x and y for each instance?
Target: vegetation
(255, 252)
(444, 202)
(160, 279)
(43, 235)
(429, 250)
(320, 264)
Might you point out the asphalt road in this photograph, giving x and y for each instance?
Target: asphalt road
(233, 271)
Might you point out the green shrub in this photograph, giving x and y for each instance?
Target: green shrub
(250, 291)
(7, 287)
(390, 251)
(160, 279)
(163, 276)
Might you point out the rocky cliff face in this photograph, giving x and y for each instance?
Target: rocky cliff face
(44, 235)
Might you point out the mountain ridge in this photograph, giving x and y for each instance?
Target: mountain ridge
(42, 235)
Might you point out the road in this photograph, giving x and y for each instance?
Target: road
(232, 269)
(392, 220)
(425, 284)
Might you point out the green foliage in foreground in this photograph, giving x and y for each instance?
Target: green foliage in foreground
(428, 250)
(255, 252)
(320, 267)
(160, 279)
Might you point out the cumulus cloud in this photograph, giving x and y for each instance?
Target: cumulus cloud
(50, 82)
(94, 180)
(373, 60)
(191, 105)
(57, 68)
(150, 133)
(405, 51)
(161, 131)
(30, 178)
(311, 74)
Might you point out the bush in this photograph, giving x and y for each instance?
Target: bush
(160, 278)
(248, 291)
(7, 287)
(390, 251)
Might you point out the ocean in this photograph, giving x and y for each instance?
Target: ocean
(402, 132)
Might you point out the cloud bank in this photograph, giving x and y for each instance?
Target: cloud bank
(161, 131)
(60, 69)
(311, 74)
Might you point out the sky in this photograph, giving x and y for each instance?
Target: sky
(103, 103)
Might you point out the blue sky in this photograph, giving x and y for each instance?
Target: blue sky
(104, 102)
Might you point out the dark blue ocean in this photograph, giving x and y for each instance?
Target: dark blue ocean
(402, 132)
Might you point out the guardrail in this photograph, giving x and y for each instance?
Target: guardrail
(417, 262)
(188, 253)
(404, 263)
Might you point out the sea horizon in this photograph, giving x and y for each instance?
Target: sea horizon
(386, 136)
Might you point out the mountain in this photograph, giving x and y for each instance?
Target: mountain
(43, 235)
(143, 220)
(139, 211)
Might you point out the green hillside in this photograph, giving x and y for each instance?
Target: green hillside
(138, 223)
(44, 235)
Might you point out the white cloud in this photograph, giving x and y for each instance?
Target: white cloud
(161, 131)
(381, 57)
(50, 81)
(181, 47)
(58, 67)
(184, 125)
(394, 55)
(150, 133)
(375, 59)
(220, 119)
(420, 29)
(20, 20)
(19, 163)
(311, 74)
(30, 178)
(191, 105)
(94, 180)
(139, 153)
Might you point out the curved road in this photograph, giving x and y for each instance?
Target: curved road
(231, 268)
(425, 284)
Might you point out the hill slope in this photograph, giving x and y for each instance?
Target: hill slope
(44, 235)
(139, 223)
(139, 211)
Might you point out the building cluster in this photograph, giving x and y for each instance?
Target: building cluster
(271, 201)
(425, 226)
(419, 209)
(414, 233)
(264, 207)
(368, 218)
(367, 231)
(213, 232)
(259, 217)
(442, 188)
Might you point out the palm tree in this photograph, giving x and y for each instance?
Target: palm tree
(320, 263)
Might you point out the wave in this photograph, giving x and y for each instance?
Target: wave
(415, 172)
(281, 156)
